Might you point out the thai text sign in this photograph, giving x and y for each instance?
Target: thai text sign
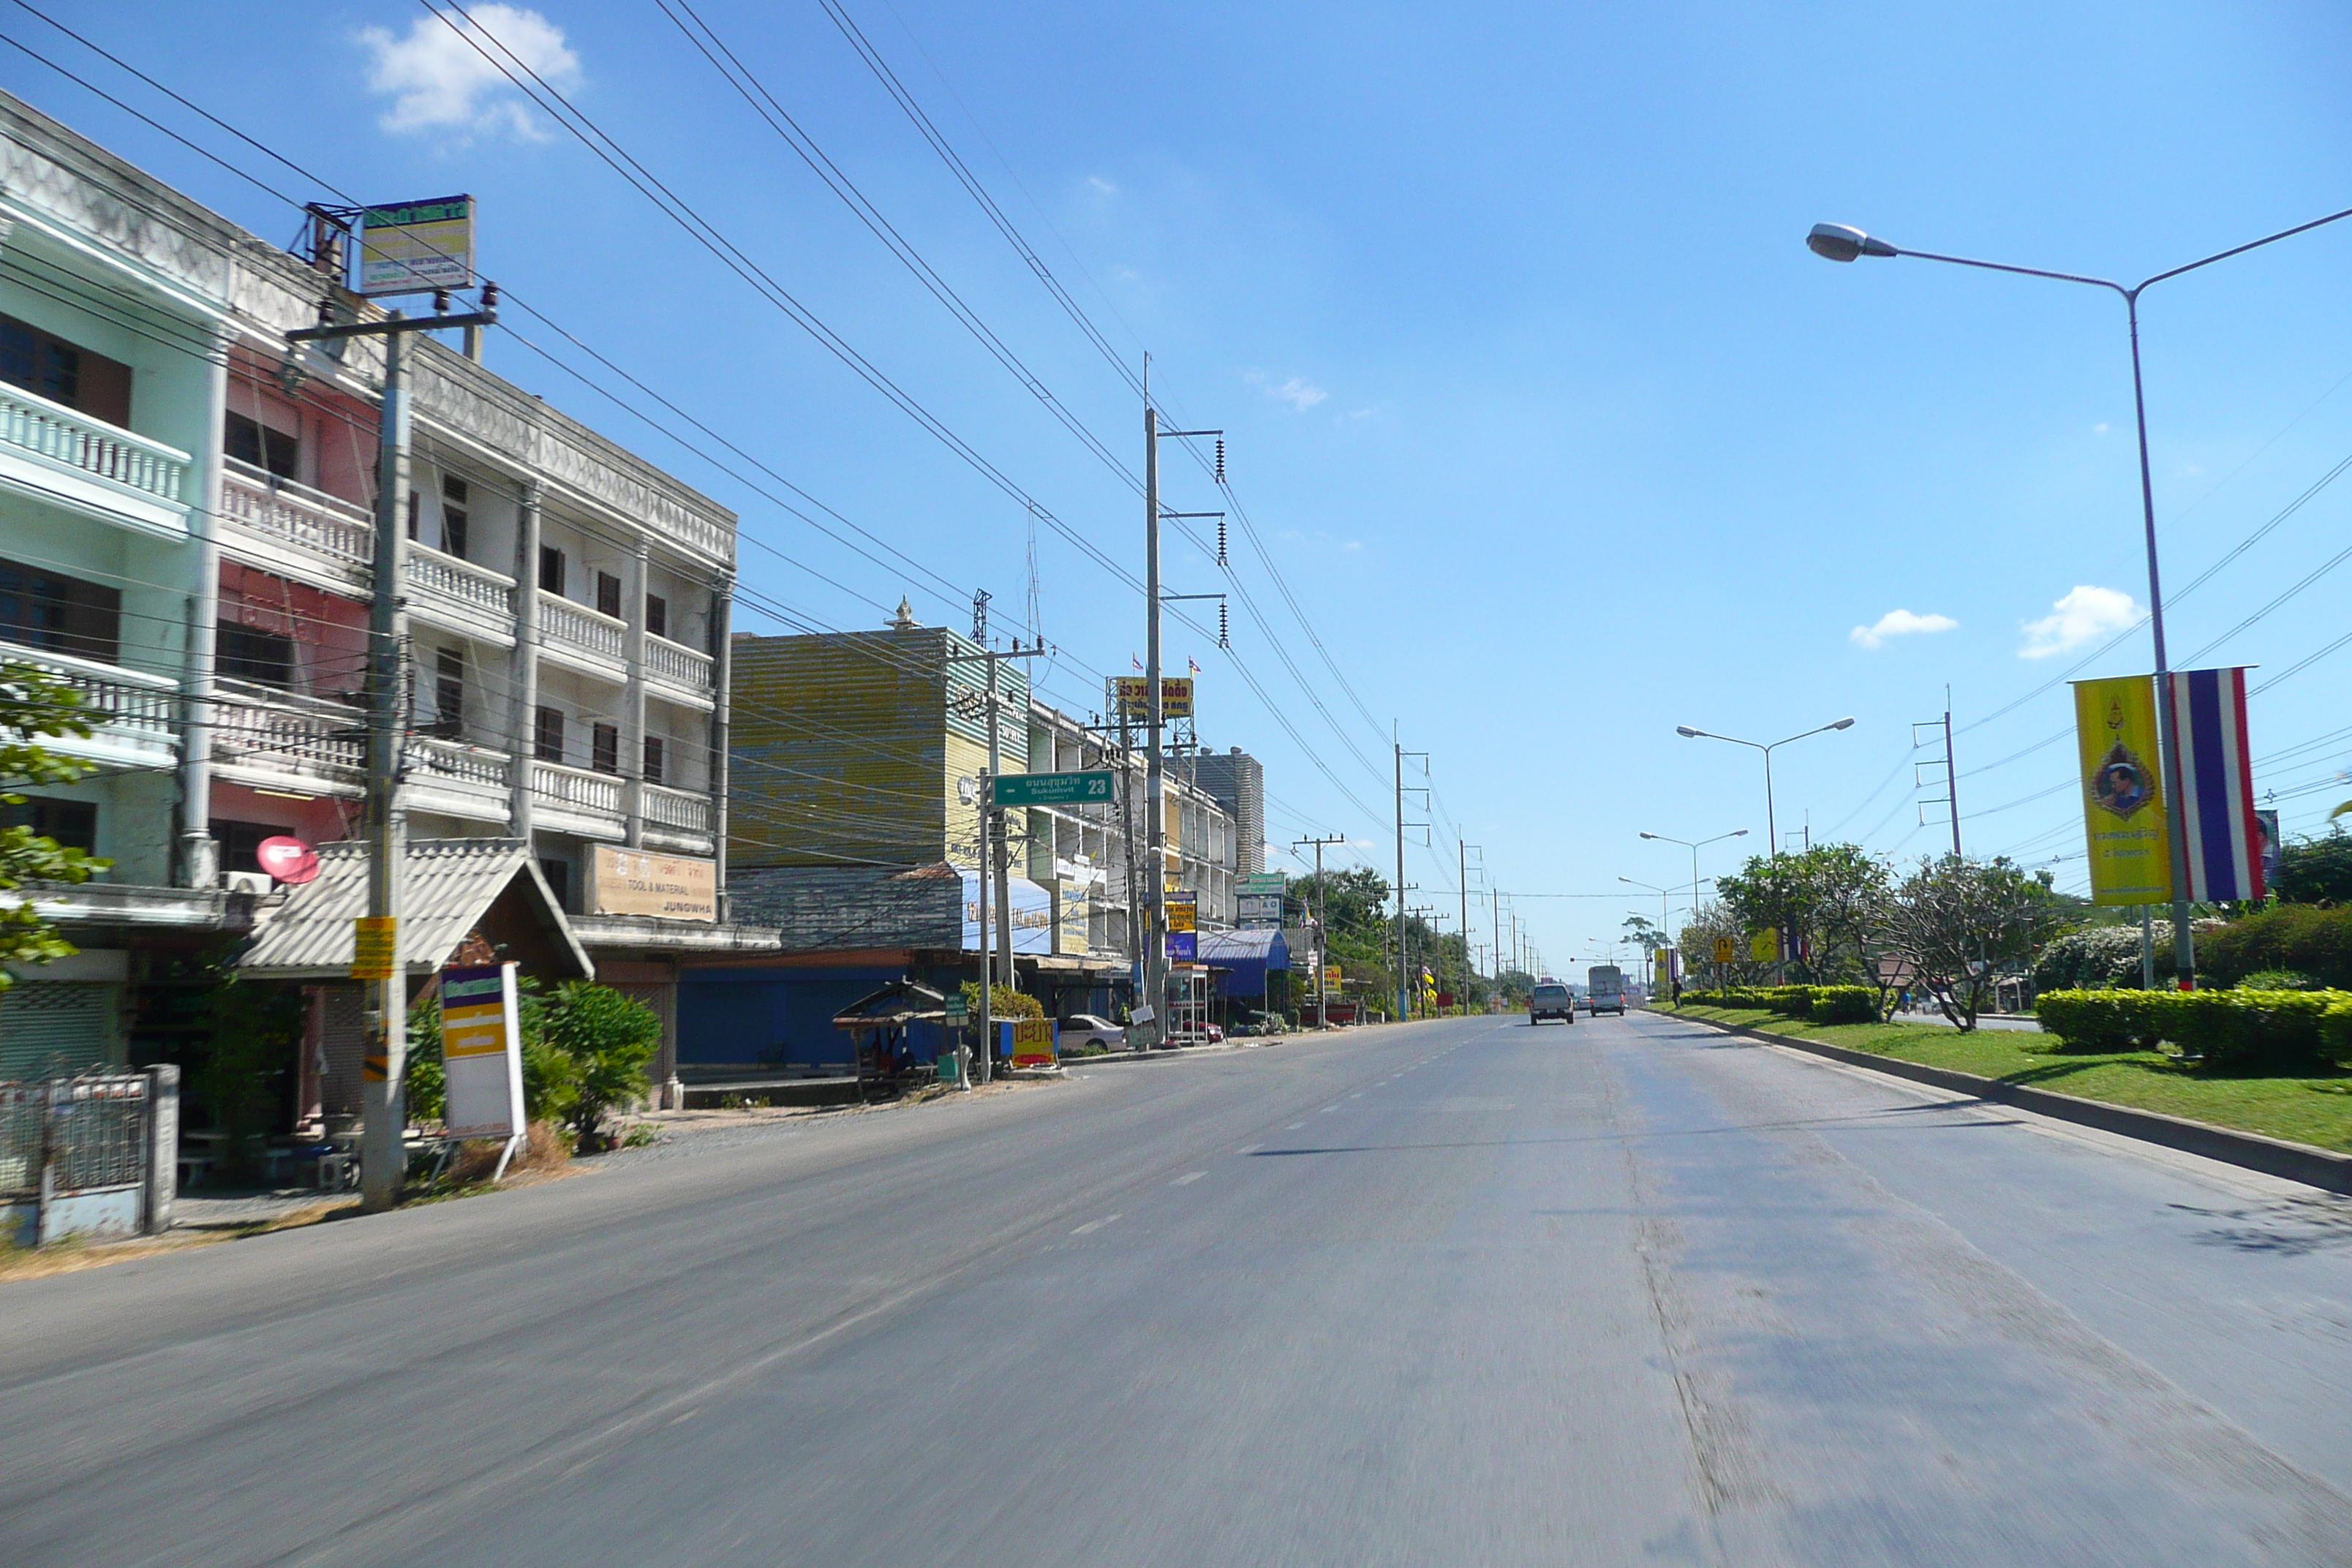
(374, 939)
(481, 1052)
(1051, 789)
(1331, 979)
(2125, 822)
(1258, 909)
(1260, 882)
(414, 247)
(1135, 697)
(1032, 1042)
(635, 882)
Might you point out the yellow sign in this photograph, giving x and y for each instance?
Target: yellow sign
(1331, 979)
(667, 887)
(2124, 817)
(1135, 697)
(374, 939)
(412, 248)
(1032, 1042)
(1184, 915)
(1725, 949)
(1764, 946)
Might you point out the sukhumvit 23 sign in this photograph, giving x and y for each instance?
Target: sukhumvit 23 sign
(414, 248)
(1051, 789)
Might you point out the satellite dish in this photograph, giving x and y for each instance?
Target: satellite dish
(289, 859)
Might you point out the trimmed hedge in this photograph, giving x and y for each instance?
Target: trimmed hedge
(2229, 1031)
(1844, 1004)
(1820, 1004)
(2314, 941)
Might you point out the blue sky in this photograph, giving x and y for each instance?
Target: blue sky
(1554, 429)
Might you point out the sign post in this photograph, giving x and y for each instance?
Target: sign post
(481, 1055)
(1052, 789)
(956, 1015)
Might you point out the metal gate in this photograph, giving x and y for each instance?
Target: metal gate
(77, 1155)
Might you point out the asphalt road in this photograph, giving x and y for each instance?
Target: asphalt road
(1458, 1293)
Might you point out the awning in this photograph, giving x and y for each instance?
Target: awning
(1242, 958)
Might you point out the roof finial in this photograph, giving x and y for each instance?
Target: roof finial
(904, 621)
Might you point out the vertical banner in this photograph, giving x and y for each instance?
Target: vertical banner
(481, 1052)
(2124, 822)
(2217, 784)
(2268, 817)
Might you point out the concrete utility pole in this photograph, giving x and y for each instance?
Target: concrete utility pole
(383, 1016)
(1461, 886)
(994, 859)
(1404, 1008)
(1322, 931)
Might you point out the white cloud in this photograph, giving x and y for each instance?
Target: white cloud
(440, 80)
(1900, 623)
(2084, 615)
(1100, 183)
(1299, 393)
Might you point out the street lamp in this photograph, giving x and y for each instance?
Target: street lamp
(1841, 242)
(1695, 849)
(1655, 888)
(1770, 823)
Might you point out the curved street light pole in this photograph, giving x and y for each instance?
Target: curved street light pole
(1694, 847)
(1841, 242)
(1773, 848)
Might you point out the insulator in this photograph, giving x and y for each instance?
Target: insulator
(1221, 459)
(490, 296)
(1222, 627)
(1221, 542)
(440, 301)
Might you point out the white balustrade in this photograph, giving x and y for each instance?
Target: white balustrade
(578, 627)
(678, 664)
(469, 589)
(295, 515)
(126, 706)
(431, 758)
(256, 726)
(676, 809)
(598, 794)
(72, 439)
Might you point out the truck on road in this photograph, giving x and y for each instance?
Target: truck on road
(1550, 999)
(1605, 985)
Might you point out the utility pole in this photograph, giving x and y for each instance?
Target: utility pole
(1950, 798)
(1461, 886)
(994, 846)
(1322, 932)
(1495, 913)
(1403, 1008)
(383, 1016)
(1155, 951)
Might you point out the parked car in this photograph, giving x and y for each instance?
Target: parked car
(1550, 999)
(1083, 1029)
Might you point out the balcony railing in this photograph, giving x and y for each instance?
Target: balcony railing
(678, 664)
(129, 711)
(434, 760)
(72, 439)
(676, 809)
(578, 627)
(598, 795)
(259, 728)
(465, 591)
(312, 521)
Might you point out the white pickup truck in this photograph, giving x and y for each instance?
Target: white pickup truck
(1605, 985)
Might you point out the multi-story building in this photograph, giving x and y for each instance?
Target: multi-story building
(186, 529)
(1237, 781)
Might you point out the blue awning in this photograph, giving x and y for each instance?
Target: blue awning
(1242, 958)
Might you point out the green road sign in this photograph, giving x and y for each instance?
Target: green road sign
(1261, 882)
(1052, 789)
(956, 1011)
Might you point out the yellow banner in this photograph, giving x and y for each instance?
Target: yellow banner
(375, 942)
(1032, 1042)
(2125, 822)
(1764, 946)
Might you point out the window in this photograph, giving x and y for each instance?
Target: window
(608, 594)
(249, 441)
(448, 692)
(416, 509)
(452, 516)
(73, 822)
(240, 842)
(656, 755)
(243, 653)
(559, 881)
(64, 373)
(657, 614)
(65, 615)
(604, 748)
(547, 735)
(551, 569)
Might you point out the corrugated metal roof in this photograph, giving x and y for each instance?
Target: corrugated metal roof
(448, 885)
(823, 908)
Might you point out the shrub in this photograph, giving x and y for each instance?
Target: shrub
(2317, 941)
(1844, 1004)
(2096, 958)
(1003, 1002)
(608, 1040)
(2227, 1031)
(2279, 980)
(2104, 1020)
(2335, 1031)
(1792, 1001)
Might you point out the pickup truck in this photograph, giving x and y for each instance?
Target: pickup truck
(1605, 983)
(1550, 999)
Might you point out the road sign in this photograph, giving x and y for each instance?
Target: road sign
(1262, 882)
(956, 1011)
(1726, 950)
(1052, 789)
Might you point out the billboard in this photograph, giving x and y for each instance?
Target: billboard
(1257, 910)
(635, 882)
(414, 248)
(1032, 916)
(481, 1052)
(2125, 824)
(1135, 698)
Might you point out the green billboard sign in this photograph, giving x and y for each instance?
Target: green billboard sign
(1052, 789)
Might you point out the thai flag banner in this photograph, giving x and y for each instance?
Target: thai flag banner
(2217, 784)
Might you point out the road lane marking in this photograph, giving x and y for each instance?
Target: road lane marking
(1249, 1148)
(1188, 1178)
(1360, 1093)
(1093, 1226)
(1294, 1127)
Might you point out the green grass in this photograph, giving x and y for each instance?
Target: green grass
(2316, 1110)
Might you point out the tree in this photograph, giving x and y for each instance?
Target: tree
(34, 705)
(609, 1039)
(2316, 870)
(1831, 896)
(1960, 921)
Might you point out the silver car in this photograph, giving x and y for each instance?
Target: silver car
(1083, 1029)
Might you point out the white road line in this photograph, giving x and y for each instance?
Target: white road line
(1095, 1224)
(1294, 1127)
(1249, 1148)
(1188, 1178)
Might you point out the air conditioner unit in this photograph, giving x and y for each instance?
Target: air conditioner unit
(255, 882)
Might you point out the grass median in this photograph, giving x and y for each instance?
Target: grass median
(2315, 1109)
